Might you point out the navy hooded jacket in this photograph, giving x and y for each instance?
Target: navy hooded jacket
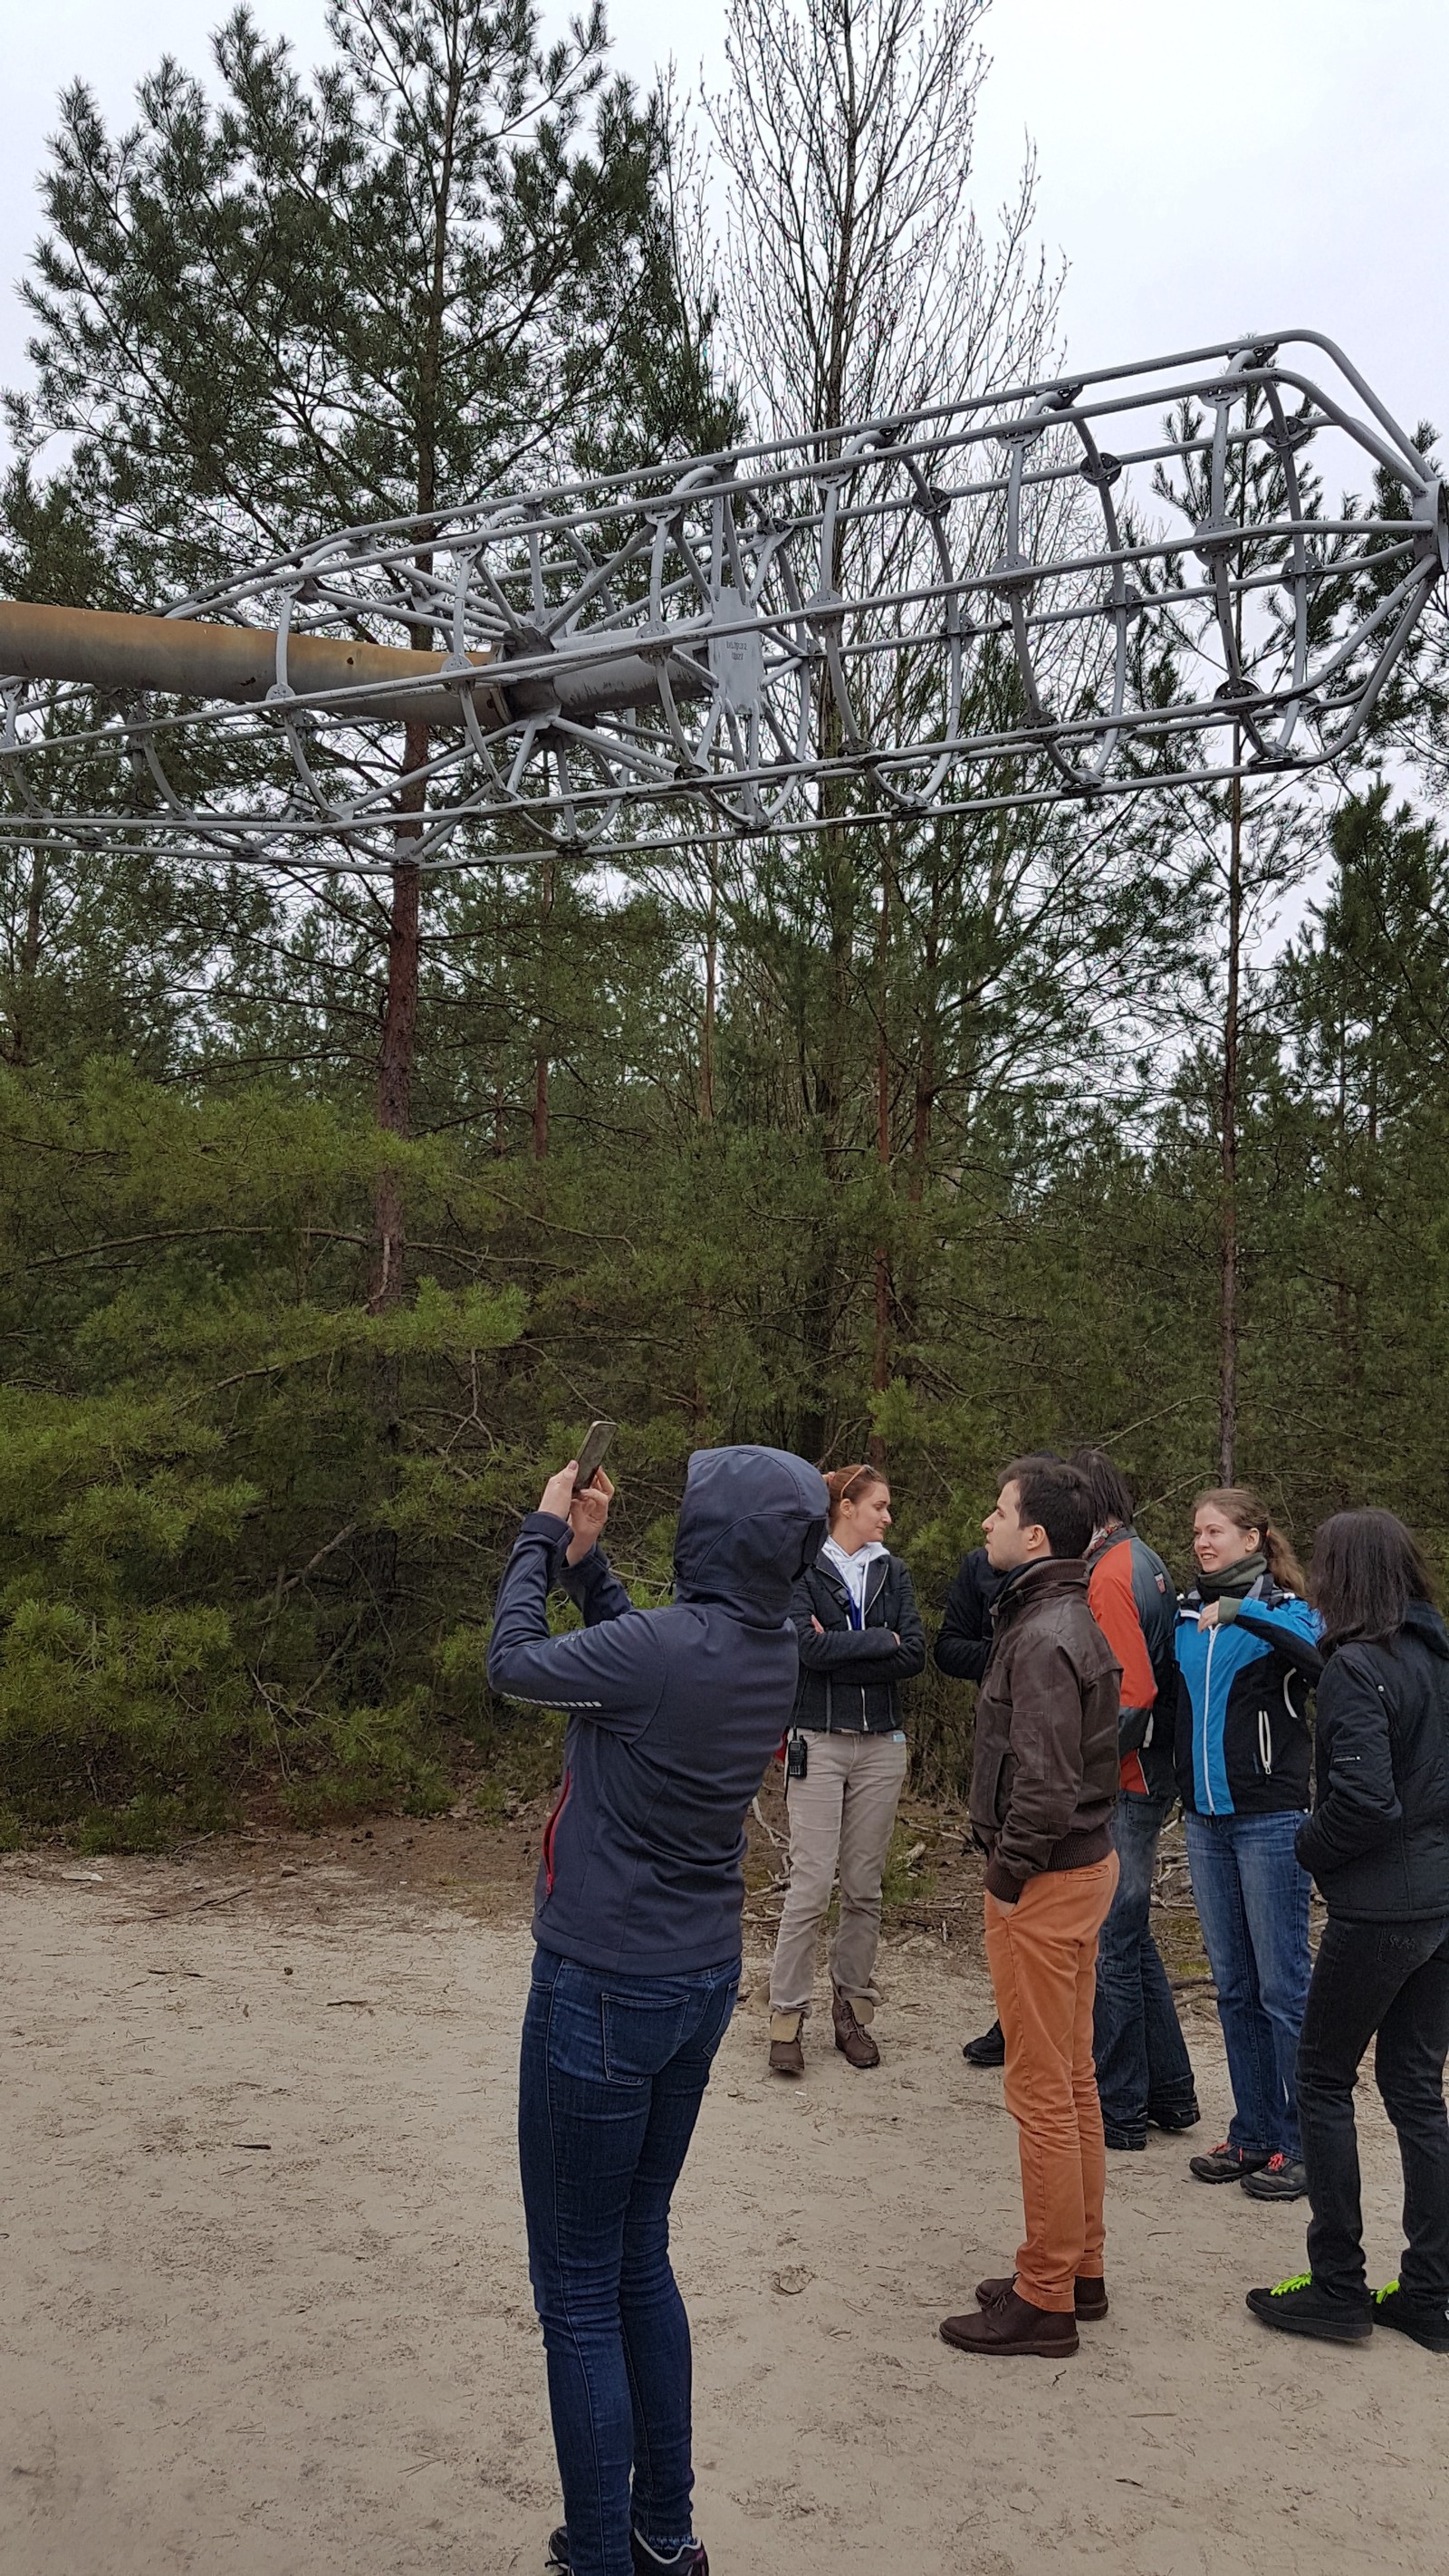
(673, 1714)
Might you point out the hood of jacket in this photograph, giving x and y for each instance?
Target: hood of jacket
(751, 1523)
(1425, 1625)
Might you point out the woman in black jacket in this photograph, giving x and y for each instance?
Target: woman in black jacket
(1377, 1843)
(860, 1635)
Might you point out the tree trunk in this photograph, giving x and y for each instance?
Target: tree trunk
(541, 1059)
(711, 994)
(400, 1017)
(22, 1009)
(1228, 1326)
(399, 1024)
(34, 916)
(881, 1367)
(924, 1106)
(540, 1108)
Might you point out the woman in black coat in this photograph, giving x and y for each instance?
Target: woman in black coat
(1377, 1843)
(860, 1636)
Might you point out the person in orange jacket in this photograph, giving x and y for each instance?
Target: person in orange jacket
(1144, 2073)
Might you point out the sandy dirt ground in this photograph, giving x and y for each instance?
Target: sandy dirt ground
(266, 2309)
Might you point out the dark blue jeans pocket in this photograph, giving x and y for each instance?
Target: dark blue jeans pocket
(644, 2033)
(641, 2034)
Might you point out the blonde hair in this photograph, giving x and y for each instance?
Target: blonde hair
(1248, 1511)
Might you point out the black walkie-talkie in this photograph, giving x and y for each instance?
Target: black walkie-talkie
(797, 1756)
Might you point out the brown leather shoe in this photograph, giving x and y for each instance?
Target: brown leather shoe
(851, 2036)
(1012, 2325)
(1090, 2291)
(787, 2056)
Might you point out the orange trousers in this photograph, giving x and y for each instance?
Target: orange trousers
(1042, 1953)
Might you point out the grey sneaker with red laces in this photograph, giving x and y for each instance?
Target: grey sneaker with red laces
(1227, 2164)
(1279, 2179)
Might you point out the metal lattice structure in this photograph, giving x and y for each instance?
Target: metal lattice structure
(1045, 595)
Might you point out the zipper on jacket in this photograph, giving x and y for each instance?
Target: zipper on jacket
(866, 1607)
(551, 1828)
(1207, 1701)
(1265, 1741)
(867, 1604)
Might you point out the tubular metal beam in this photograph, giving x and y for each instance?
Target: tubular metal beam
(183, 657)
(1076, 590)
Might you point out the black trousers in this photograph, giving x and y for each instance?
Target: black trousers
(1393, 1979)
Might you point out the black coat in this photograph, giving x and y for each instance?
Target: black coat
(963, 1648)
(848, 1675)
(1378, 1838)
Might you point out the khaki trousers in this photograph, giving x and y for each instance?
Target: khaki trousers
(843, 1810)
(1042, 1952)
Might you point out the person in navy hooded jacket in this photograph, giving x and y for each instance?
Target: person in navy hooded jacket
(1247, 1652)
(673, 1717)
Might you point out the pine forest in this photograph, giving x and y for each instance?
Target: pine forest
(333, 1209)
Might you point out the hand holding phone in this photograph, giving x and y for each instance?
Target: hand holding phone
(581, 1493)
(588, 1512)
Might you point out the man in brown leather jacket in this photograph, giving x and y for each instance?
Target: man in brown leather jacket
(1043, 1794)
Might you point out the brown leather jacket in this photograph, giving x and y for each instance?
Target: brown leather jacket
(1044, 1772)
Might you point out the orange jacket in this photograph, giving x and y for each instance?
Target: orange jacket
(1120, 1565)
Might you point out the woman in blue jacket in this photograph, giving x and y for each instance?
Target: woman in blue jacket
(1378, 1845)
(1247, 1652)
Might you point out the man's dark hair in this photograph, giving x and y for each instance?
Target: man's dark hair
(1366, 1570)
(1058, 1498)
(1111, 1494)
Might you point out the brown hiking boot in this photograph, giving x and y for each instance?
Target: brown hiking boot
(1090, 2288)
(851, 2036)
(1012, 2325)
(787, 2057)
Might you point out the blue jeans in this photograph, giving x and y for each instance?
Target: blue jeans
(613, 2073)
(1142, 2061)
(1252, 1903)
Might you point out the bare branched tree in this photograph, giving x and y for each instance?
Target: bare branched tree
(859, 279)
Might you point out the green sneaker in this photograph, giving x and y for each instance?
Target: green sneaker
(1296, 2306)
(1423, 2319)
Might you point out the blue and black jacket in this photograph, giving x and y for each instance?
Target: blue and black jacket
(1243, 1746)
(672, 1714)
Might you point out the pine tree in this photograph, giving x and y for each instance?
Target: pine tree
(438, 265)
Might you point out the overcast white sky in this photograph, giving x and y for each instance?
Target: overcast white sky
(1245, 166)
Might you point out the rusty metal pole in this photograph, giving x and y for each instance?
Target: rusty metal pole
(190, 658)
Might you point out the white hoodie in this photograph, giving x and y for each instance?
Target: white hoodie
(854, 1570)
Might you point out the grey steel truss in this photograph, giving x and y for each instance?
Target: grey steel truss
(1059, 592)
